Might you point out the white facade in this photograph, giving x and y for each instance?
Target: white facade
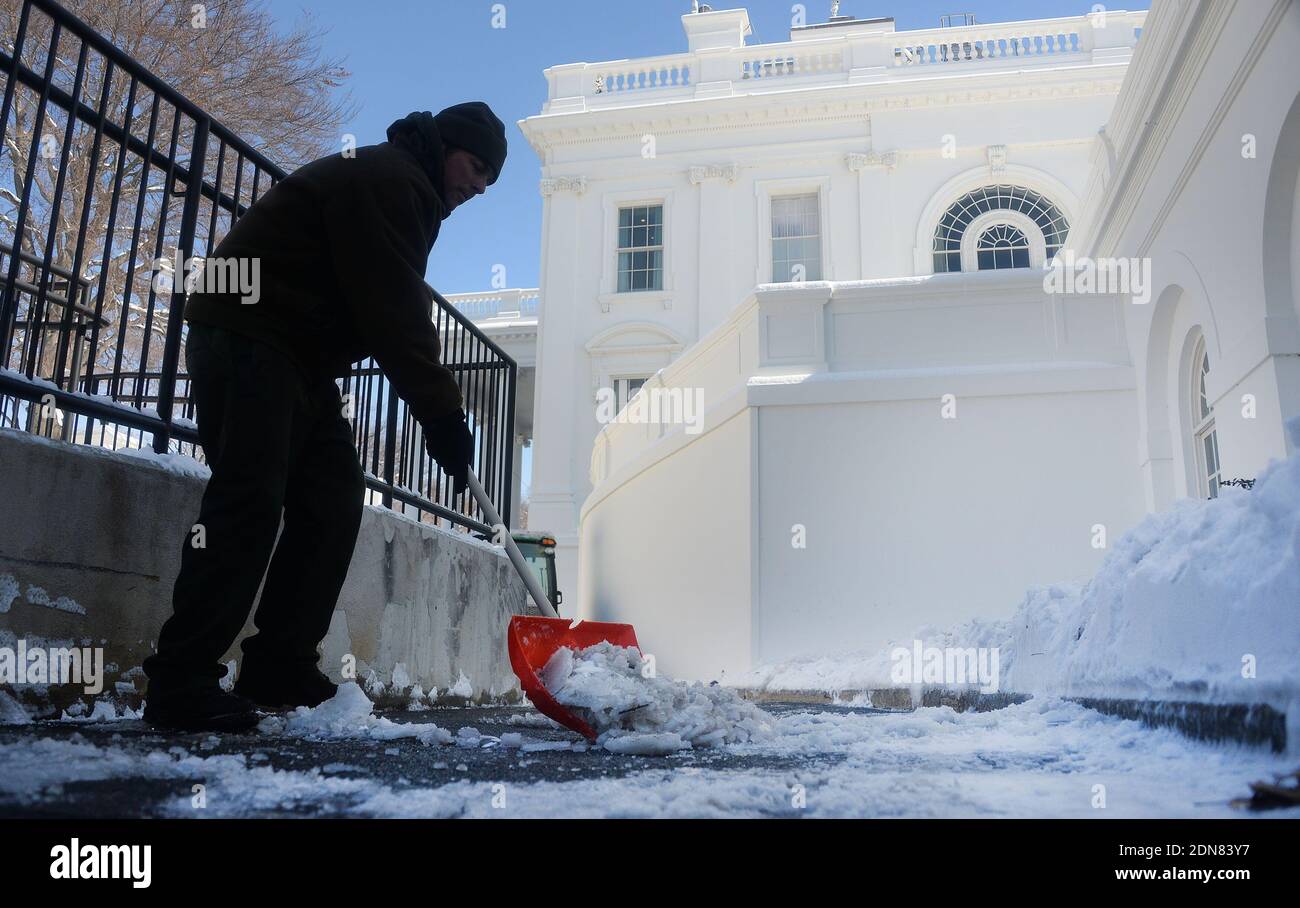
(1197, 171)
(883, 446)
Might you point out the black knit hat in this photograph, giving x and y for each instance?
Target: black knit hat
(474, 127)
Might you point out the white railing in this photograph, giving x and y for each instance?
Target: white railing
(625, 76)
(976, 43)
(799, 61)
(496, 303)
(878, 56)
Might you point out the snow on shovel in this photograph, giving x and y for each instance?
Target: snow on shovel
(533, 641)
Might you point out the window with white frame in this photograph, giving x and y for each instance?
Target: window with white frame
(640, 248)
(1002, 246)
(1205, 441)
(796, 239)
(998, 246)
(626, 388)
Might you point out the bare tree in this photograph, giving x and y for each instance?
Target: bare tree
(227, 57)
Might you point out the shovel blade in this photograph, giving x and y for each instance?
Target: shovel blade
(532, 642)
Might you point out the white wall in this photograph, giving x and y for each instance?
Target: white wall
(1217, 227)
(825, 408)
(913, 519)
(669, 550)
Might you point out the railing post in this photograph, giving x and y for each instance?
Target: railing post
(508, 479)
(390, 443)
(176, 305)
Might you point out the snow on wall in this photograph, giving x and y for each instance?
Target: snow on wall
(1183, 604)
(1199, 602)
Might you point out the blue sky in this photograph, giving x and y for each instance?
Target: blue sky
(408, 55)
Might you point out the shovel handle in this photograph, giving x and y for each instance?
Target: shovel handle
(516, 557)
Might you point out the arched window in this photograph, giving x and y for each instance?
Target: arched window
(1002, 246)
(996, 246)
(1205, 442)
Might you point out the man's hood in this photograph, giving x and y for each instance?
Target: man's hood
(418, 134)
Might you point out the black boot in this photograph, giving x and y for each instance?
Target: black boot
(280, 686)
(197, 707)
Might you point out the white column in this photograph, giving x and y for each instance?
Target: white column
(517, 471)
(716, 251)
(875, 211)
(561, 389)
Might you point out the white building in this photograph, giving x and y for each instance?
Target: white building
(836, 245)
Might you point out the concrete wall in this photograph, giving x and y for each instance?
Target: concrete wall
(101, 533)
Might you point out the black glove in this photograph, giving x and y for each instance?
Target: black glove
(450, 442)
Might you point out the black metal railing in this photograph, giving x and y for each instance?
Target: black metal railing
(109, 179)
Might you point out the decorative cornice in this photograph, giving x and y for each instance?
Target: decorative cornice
(857, 160)
(564, 184)
(755, 111)
(703, 172)
(997, 155)
(1149, 109)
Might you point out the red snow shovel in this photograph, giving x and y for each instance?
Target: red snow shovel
(532, 641)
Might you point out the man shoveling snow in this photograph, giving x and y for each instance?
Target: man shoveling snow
(340, 248)
(615, 690)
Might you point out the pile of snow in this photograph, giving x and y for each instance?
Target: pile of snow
(11, 711)
(1201, 601)
(9, 592)
(607, 686)
(350, 714)
(462, 688)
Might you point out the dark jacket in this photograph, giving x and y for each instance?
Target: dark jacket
(343, 243)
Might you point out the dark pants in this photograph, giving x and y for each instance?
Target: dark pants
(275, 442)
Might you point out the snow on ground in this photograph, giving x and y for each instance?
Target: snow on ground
(608, 687)
(350, 714)
(860, 671)
(1182, 604)
(11, 711)
(104, 710)
(1043, 758)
